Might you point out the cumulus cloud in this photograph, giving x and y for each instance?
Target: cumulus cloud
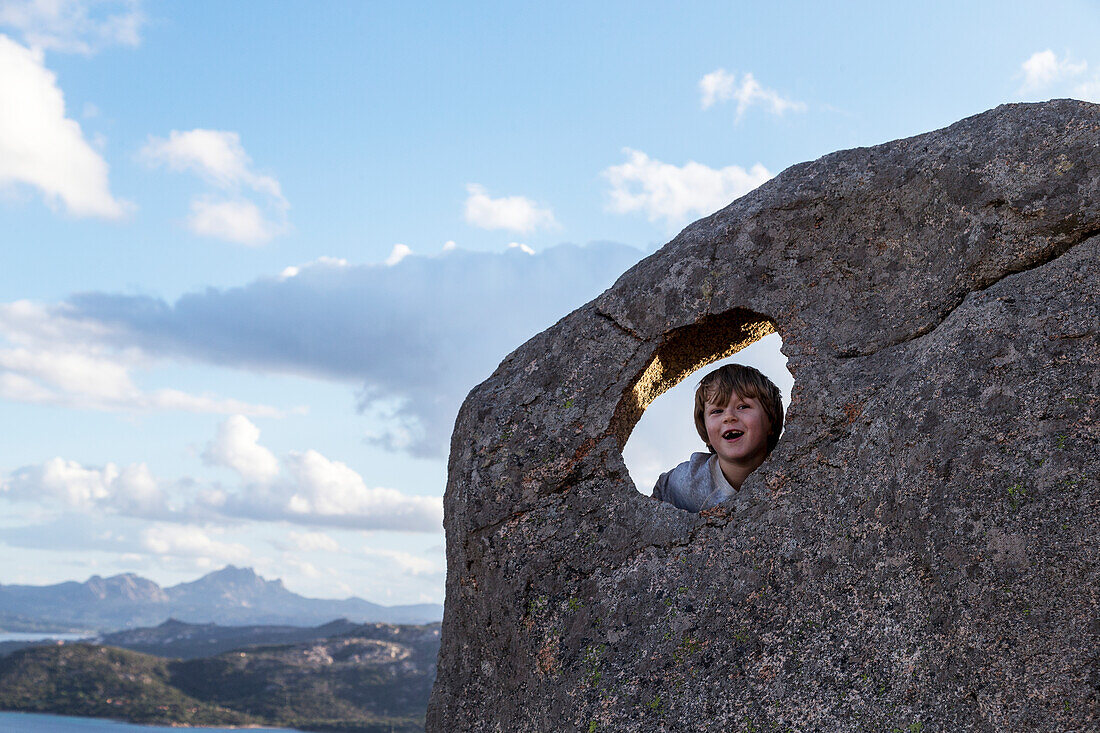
(1045, 73)
(406, 562)
(48, 356)
(313, 542)
(131, 490)
(722, 86)
(293, 270)
(191, 542)
(237, 446)
(74, 26)
(399, 252)
(1089, 90)
(313, 490)
(1043, 68)
(40, 146)
(675, 193)
(415, 338)
(329, 492)
(215, 155)
(234, 221)
(513, 213)
(218, 157)
(317, 491)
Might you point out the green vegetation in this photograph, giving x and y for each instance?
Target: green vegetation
(96, 681)
(1017, 493)
(349, 683)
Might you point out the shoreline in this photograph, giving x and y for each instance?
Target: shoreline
(123, 721)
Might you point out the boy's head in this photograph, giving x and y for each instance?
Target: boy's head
(736, 379)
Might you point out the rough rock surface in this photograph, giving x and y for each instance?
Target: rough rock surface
(926, 554)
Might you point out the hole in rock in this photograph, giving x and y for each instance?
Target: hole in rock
(665, 434)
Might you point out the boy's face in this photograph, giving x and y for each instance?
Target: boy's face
(738, 431)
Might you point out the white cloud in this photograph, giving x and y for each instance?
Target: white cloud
(218, 157)
(722, 86)
(234, 221)
(76, 26)
(302, 567)
(1046, 75)
(183, 541)
(521, 247)
(313, 542)
(449, 245)
(215, 155)
(1044, 68)
(329, 491)
(674, 193)
(131, 490)
(323, 261)
(405, 562)
(1088, 91)
(71, 371)
(514, 213)
(236, 446)
(54, 358)
(316, 491)
(716, 85)
(399, 252)
(40, 146)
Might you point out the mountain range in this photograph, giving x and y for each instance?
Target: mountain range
(230, 596)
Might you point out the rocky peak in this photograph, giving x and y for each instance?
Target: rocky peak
(230, 584)
(126, 586)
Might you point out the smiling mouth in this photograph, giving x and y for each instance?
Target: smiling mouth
(732, 434)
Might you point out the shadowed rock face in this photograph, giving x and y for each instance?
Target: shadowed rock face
(926, 557)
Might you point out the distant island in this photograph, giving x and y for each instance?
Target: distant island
(230, 596)
(366, 678)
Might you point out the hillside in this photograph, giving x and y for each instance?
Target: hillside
(232, 595)
(374, 678)
(180, 640)
(97, 681)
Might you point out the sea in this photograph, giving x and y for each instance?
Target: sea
(38, 723)
(41, 635)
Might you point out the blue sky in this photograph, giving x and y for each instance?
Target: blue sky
(255, 254)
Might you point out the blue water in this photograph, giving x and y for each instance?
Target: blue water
(37, 723)
(41, 635)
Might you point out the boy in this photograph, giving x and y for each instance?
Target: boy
(739, 415)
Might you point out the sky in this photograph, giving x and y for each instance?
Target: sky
(256, 254)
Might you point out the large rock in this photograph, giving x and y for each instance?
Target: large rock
(926, 554)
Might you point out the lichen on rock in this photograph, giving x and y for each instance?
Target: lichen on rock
(925, 555)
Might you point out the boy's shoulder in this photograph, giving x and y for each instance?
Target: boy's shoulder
(698, 462)
(688, 484)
